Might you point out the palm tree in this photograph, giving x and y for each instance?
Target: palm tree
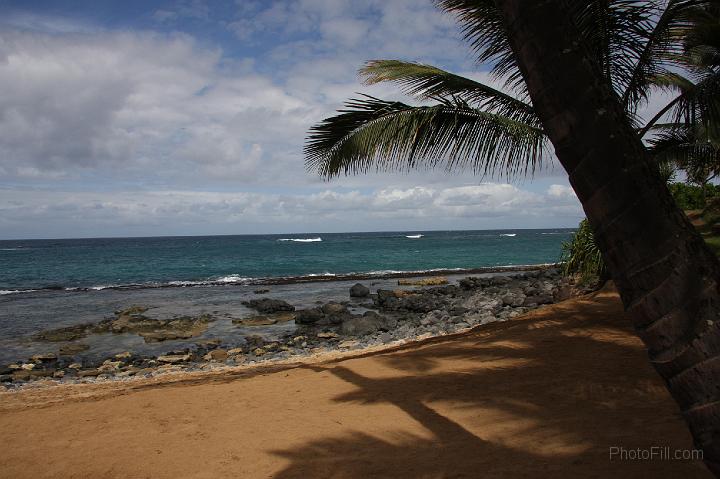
(578, 71)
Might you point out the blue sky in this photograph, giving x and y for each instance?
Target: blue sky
(141, 118)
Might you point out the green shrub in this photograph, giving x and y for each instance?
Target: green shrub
(581, 255)
(691, 197)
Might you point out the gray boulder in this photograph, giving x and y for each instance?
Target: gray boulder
(368, 323)
(309, 316)
(359, 291)
(267, 305)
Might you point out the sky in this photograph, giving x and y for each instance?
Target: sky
(146, 118)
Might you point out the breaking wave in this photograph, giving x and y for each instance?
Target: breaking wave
(302, 240)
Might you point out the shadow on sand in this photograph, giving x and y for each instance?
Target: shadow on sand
(540, 397)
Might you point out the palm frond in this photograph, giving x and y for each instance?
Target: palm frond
(662, 47)
(429, 82)
(482, 26)
(375, 134)
(686, 147)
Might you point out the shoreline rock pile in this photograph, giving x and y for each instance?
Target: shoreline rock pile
(366, 320)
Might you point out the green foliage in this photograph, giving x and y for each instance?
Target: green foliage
(385, 135)
(691, 197)
(637, 46)
(582, 256)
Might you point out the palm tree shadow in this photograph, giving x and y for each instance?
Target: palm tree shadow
(561, 417)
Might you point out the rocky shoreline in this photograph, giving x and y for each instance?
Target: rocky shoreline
(365, 320)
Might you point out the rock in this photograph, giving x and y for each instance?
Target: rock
(44, 358)
(135, 309)
(328, 335)
(563, 293)
(217, 355)
(174, 358)
(433, 281)
(255, 321)
(69, 333)
(209, 343)
(500, 280)
(538, 299)
(513, 300)
(159, 336)
(268, 305)
(59, 374)
(254, 341)
(73, 349)
(385, 338)
(334, 309)
(261, 291)
(366, 324)
(349, 344)
(235, 351)
(298, 339)
(75, 366)
(309, 316)
(124, 355)
(89, 373)
(110, 366)
(259, 352)
(28, 366)
(359, 291)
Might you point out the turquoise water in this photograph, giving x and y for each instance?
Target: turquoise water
(174, 261)
(46, 284)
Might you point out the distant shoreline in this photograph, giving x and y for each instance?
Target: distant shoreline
(281, 280)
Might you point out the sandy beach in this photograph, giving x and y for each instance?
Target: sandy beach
(543, 395)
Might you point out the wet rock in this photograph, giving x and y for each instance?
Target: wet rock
(89, 373)
(261, 291)
(73, 349)
(432, 281)
(135, 309)
(334, 309)
(259, 351)
(359, 291)
(328, 335)
(159, 336)
(44, 358)
(235, 351)
(174, 358)
(267, 305)
(254, 341)
(255, 321)
(217, 355)
(309, 316)
(124, 355)
(209, 343)
(70, 333)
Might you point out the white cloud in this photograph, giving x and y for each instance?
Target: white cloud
(492, 205)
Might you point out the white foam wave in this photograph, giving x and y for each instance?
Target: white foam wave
(509, 234)
(13, 249)
(414, 236)
(15, 291)
(232, 278)
(302, 240)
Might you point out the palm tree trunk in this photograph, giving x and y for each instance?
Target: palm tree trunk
(666, 275)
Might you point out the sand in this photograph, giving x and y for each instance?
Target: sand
(544, 395)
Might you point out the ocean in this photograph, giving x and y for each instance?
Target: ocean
(48, 284)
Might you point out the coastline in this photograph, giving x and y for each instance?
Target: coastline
(236, 280)
(519, 398)
(425, 307)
